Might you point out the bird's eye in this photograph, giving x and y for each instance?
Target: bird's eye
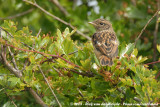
(102, 24)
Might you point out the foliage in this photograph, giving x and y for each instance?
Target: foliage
(128, 72)
(67, 58)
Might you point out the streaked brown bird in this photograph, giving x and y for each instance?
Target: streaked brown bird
(105, 42)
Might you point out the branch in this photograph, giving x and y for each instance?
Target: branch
(44, 54)
(37, 98)
(145, 27)
(18, 15)
(152, 63)
(8, 65)
(61, 8)
(57, 18)
(49, 87)
(17, 73)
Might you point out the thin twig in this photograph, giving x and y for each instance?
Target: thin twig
(57, 18)
(45, 54)
(6, 32)
(81, 73)
(11, 100)
(57, 71)
(50, 86)
(13, 59)
(156, 33)
(37, 37)
(152, 63)
(71, 53)
(33, 50)
(17, 73)
(145, 27)
(80, 92)
(61, 8)
(18, 15)
(39, 32)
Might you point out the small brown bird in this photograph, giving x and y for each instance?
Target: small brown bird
(104, 41)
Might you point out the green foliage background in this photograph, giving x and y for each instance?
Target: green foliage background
(129, 73)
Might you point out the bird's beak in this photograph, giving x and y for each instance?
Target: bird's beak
(91, 23)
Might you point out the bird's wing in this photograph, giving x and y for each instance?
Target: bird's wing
(106, 43)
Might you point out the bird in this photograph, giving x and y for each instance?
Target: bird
(105, 42)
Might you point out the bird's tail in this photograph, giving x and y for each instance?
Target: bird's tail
(105, 60)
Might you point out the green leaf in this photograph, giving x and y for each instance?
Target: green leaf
(158, 48)
(127, 81)
(134, 53)
(86, 64)
(26, 31)
(66, 32)
(138, 89)
(51, 48)
(44, 41)
(32, 59)
(60, 37)
(142, 59)
(68, 46)
(126, 50)
(14, 81)
(22, 55)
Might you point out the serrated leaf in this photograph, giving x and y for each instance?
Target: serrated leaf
(68, 46)
(44, 41)
(86, 64)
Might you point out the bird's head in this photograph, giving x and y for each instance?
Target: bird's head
(101, 24)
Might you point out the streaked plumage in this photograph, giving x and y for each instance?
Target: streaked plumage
(105, 42)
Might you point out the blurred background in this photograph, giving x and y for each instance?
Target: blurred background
(128, 18)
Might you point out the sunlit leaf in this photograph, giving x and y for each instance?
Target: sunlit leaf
(44, 41)
(158, 48)
(126, 50)
(142, 59)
